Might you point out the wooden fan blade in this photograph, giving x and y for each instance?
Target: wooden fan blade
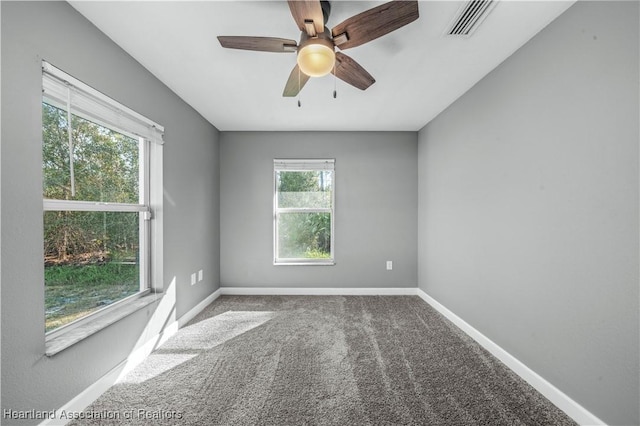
(262, 44)
(305, 11)
(374, 23)
(292, 88)
(351, 72)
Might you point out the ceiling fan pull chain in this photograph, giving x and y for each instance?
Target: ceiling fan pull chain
(335, 79)
(299, 103)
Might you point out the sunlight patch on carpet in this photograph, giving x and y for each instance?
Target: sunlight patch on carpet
(155, 365)
(214, 331)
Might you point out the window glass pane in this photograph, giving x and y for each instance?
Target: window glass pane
(105, 162)
(311, 189)
(304, 235)
(91, 261)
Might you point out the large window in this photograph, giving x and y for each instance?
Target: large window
(304, 211)
(102, 173)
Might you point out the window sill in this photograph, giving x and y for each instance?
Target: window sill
(66, 338)
(327, 263)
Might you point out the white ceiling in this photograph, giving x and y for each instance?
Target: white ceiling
(418, 70)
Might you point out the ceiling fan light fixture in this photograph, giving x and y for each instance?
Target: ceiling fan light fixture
(316, 51)
(316, 57)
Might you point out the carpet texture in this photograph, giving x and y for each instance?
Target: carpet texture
(316, 360)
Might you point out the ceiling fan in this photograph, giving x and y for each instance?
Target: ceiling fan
(316, 53)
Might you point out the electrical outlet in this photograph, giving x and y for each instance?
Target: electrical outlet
(193, 278)
(389, 265)
(200, 274)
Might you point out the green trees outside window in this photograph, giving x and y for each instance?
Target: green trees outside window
(304, 207)
(91, 258)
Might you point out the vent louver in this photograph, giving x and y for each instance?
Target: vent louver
(470, 15)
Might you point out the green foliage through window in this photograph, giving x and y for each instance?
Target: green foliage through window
(304, 214)
(105, 162)
(91, 257)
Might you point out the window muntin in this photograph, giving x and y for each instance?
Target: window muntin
(98, 200)
(303, 211)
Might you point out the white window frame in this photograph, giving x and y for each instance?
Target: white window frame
(303, 165)
(69, 94)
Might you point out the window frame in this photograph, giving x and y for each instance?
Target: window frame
(303, 165)
(89, 104)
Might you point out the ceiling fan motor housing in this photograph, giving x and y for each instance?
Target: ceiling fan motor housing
(326, 10)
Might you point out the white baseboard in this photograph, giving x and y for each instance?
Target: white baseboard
(574, 410)
(318, 291)
(64, 414)
(198, 308)
(90, 394)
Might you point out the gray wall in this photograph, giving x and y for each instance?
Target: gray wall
(55, 32)
(376, 208)
(528, 207)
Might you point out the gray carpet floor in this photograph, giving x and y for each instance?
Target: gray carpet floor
(316, 360)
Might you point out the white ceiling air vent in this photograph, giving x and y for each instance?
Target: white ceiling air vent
(469, 17)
